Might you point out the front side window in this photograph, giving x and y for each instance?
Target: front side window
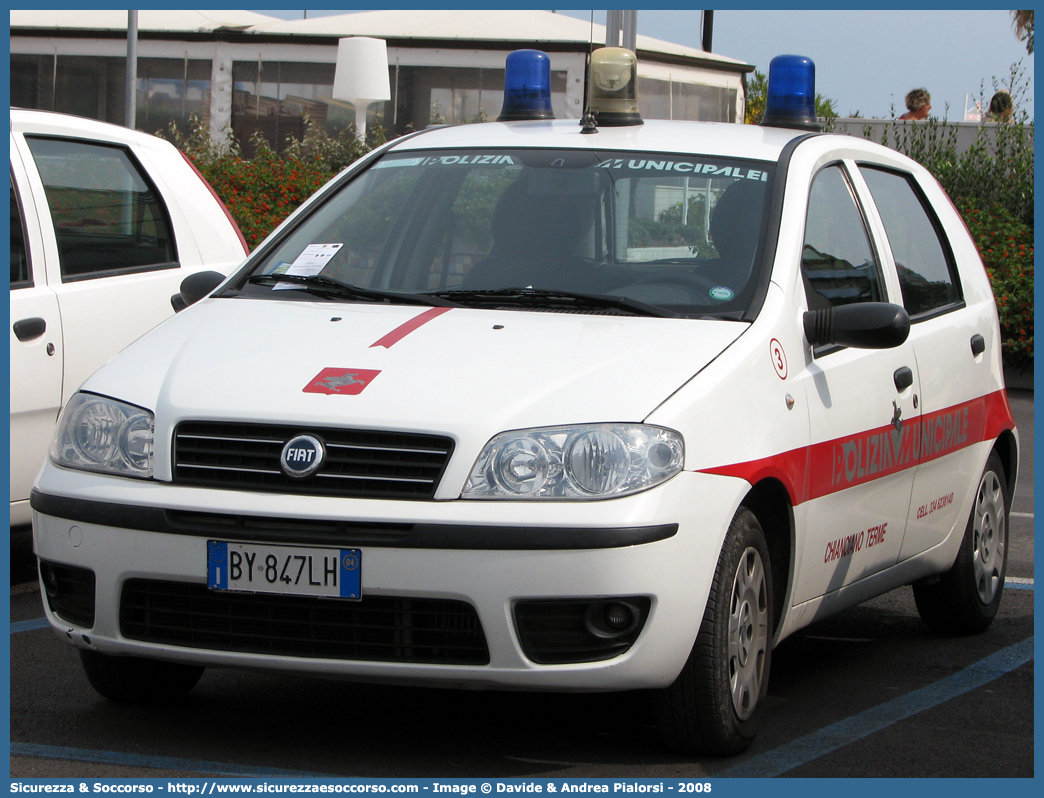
(675, 232)
(927, 272)
(108, 217)
(838, 265)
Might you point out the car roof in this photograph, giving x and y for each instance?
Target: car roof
(27, 120)
(725, 139)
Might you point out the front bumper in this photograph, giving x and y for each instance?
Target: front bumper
(657, 549)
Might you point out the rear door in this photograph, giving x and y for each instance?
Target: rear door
(951, 340)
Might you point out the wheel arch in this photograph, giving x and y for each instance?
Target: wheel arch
(771, 505)
(1007, 448)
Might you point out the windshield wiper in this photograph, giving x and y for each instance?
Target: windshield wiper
(556, 298)
(321, 284)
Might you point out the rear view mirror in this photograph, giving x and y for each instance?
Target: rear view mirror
(863, 325)
(195, 287)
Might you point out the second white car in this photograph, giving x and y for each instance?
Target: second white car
(105, 224)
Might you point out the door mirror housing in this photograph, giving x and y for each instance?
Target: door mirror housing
(195, 287)
(863, 325)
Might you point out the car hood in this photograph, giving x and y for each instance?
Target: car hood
(462, 372)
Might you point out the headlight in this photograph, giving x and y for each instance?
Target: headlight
(99, 434)
(597, 461)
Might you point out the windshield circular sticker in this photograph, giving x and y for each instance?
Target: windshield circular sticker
(722, 293)
(779, 358)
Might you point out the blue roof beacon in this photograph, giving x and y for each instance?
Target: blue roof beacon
(527, 87)
(791, 100)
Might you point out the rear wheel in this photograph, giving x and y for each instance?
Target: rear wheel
(136, 680)
(965, 599)
(714, 706)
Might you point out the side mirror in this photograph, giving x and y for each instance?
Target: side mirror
(194, 288)
(863, 325)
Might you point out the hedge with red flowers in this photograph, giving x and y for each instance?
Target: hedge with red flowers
(991, 183)
(261, 192)
(1006, 245)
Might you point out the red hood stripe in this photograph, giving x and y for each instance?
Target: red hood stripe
(812, 472)
(403, 330)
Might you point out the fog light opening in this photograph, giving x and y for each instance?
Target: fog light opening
(69, 591)
(557, 631)
(49, 579)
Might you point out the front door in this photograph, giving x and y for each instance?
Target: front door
(36, 356)
(861, 404)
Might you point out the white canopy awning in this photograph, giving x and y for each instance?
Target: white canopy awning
(147, 20)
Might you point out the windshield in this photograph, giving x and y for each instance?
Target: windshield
(626, 232)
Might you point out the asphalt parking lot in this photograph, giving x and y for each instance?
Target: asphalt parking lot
(868, 693)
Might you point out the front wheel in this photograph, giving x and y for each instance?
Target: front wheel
(965, 599)
(714, 706)
(136, 680)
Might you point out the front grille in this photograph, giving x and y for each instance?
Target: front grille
(378, 628)
(359, 463)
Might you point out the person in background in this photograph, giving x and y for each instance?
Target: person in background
(918, 104)
(1001, 107)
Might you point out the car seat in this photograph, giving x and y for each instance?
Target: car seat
(537, 230)
(734, 229)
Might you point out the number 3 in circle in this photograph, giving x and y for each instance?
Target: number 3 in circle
(779, 358)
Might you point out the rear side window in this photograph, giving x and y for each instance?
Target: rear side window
(838, 265)
(20, 274)
(927, 272)
(108, 217)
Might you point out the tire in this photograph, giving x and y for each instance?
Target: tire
(965, 599)
(714, 706)
(138, 681)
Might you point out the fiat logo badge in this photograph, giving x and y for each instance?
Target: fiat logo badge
(302, 456)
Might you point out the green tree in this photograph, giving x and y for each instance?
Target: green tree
(825, 107)
(1022, 21)
(757, 90)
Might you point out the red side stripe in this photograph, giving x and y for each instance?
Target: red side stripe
(812, 472)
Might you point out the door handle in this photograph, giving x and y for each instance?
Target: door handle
(978, 345)
(903, 378)
(28, 329)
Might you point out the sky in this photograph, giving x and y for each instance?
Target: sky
(866, 61)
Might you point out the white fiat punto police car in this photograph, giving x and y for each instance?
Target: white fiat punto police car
(544, 405)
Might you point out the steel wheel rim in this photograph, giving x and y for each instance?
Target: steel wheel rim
(989, 537)
(748, 632)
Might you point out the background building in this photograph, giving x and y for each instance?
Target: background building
(248, 72)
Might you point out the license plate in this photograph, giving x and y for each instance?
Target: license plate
(287, 570)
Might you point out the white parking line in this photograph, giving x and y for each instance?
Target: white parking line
(857, 727)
